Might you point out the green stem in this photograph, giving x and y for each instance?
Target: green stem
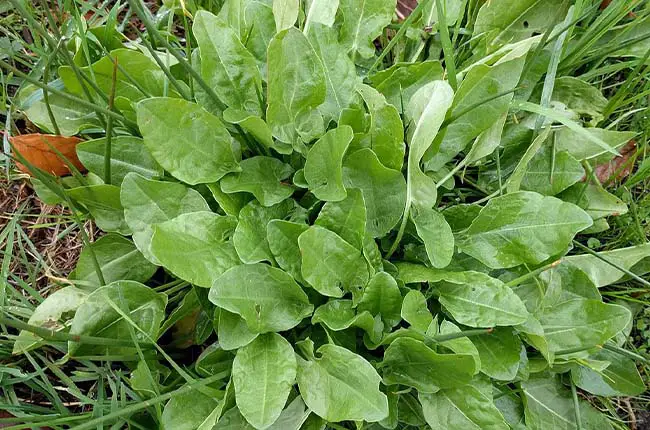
(109, 127)
(467, 333)
(58, 336)
(447, 48)
(535, 272)
(576, 406)
(626, 353)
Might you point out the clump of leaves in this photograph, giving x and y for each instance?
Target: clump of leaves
(351, 234)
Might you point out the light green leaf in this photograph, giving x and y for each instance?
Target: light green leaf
(620, 378)
(522, 227)
(363, 23)
(259, 27)
(267, 298)
(188, 141)
(293, 416)
(257, 129)
(582, 323)
(128, 154)
(436, 234)
(52, 314)
(188, 411)
(263, 373)
(103, 203)
(426, 112)
(549, 405)
(97, 317)
(263, 177)
(340, 386)
(461, 345)
(499, 353)
(550, 179)
(250, 236)
(212, 360)
(410, 362)
(196, 247)
(321, 12)
(323, 167)
(588, 149)
(585, 100)
(382, 297)
(347, 218)
(383, 189)
(595, 200)
(461, 408)
(226, 65)
(232, 330)
(147, 202)
(478, 300)
(231, 203)
(282, 237)
(118, 259)
(330, 264)
(415, 311)
(603, 274)
(285, 13)
(340, 315)
(341, 77)
(385, 136)
(296, 88)
(401, 81)
(500, 21)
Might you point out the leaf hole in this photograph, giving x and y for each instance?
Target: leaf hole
(526, 25)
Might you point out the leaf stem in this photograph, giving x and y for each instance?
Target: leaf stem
(467, 333)
(576, 406)
(109, 126)
(626, 353)
(535, 272)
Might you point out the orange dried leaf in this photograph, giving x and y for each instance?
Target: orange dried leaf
(38, 150)
(605, 172)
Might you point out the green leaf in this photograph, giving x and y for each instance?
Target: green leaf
(189, 411)
(582, 323)
(585, 100)
(53, 313)
(385, 136)
(256, 127)
(461, 345)
(549, 405)
(97, 317)
(620, 378)
(188, 141)
(341, 77)
(330, 264)
(226, 65)
(436, 234)
(263, 177)
(478, 300)
(250, 236)
(401, 81)
(602, 273)
(363, 23)
(128, 154)
(293, 416)
(232, 330)
(551, 178)
(382, 297)
(522, 227)
(196, 247)
(285, 13)
(282, 237)
(461, 408)
(595, 200)
(590, 149)
(231, 203)
(499, 353)
(415, 311)
(259, 28)
(339, 315)
(410, 362)
(426, 112)
(118, 259)
(347, 218)
(502, 22)
(321, 12)
(340, 386)
(383, 189)
(267, 298)
(296, 88)
(147, 202)
(324, 165)
(103, 203)
(263, 373)
(214, 359)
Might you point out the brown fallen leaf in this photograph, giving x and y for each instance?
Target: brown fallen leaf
(37, 150)
(605, 172)
(606, 3)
